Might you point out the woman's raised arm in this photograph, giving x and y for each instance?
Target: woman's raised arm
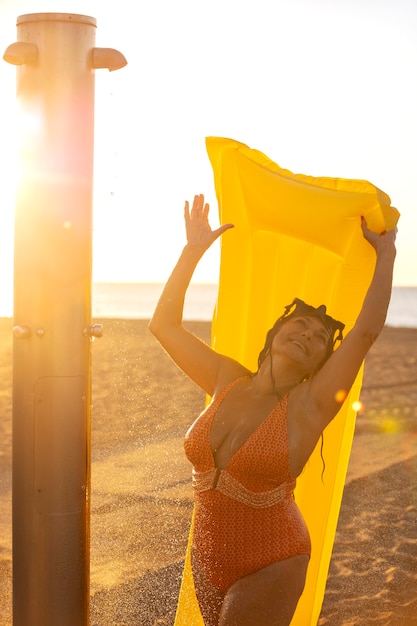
(193, 356)
(337, 375)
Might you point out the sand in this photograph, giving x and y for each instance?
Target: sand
(141, 493)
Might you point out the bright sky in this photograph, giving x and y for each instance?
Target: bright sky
(323, 87)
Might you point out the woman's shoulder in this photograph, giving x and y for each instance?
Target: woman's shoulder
(230, 372)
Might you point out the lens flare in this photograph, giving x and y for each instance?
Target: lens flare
(340, 396)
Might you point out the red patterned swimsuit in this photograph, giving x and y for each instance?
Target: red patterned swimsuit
(245, 515)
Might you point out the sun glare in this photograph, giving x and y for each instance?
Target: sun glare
(18, 129)
(9, 166)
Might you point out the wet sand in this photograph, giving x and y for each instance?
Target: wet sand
(141, 493)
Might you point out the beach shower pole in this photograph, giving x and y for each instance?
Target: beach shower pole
(55, 55)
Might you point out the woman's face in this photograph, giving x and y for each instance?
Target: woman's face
(305, 340)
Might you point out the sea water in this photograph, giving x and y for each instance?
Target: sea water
(138, 301)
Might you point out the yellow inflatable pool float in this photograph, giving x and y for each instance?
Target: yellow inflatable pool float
(294, 236)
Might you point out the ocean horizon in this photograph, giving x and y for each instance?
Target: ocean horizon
(138, 301)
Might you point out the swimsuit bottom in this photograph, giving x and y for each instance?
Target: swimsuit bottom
(238, 531)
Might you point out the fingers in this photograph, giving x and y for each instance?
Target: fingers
(198, 206)
(199, 209)
(196, 209)
(219, 231)
(378, 240)
(364, 225)
(205, 211)
(225, 227)
(367, 232)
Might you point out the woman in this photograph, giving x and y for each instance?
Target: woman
(250, 545)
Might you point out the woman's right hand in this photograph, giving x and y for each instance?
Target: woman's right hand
(379, 241)
(198, 230)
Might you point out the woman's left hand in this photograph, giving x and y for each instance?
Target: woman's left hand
(377, 240)
(199, 232)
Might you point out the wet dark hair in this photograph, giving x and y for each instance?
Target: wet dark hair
(298, 308)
